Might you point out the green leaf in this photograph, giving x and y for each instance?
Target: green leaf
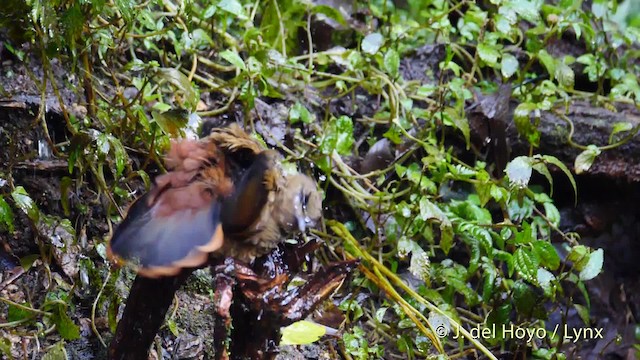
(508, 65)
(173, 327)
(426, 90)
(197, 40)
(520, 209)
(429, 210)
(25, 203)
(299, 113)
(420, 265)
(56, 352)
(456, 280)
(524, 297)
(352, 307)
(102, 144)
(553, 160)
(547, 354)
(112, 311)
(330, 12)
(392, 62)
(27, 261)
(446, 237)
(170, 122)
(5, 348)
(233, 7)
(338, 136)
(528, 10)
(125, 7)
(380, 312)
(548, 61)
(302, 333)
(523, 123)
(459, 120)
(579, 255)
(585, 159)
(583, 312)
(618, 128)
(181, 82)
(593, 266)
(546, 280)
(519, 171)
(525, 235)
(161, 107)
(488, 53)
(210, 11)
(565, 75)
(543, 170)
(76, 148)
(372, 43)
(490, 275)
(507, 258)
(120, 155)
(15, 313)
(499, 315)
(145, 178)
(6, 215)
(67, 329)
(526, 264)
(234, 59)
(276, 57)
(552, 213)
(406, 246)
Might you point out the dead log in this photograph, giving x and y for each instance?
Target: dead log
(591, 125)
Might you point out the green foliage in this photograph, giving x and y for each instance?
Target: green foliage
(472, 240)
(56, 352)
(357, 345)
(6, 215)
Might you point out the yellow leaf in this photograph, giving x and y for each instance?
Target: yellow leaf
(301, 333)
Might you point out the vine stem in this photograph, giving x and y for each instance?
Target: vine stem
(346, 236)
(93, 311)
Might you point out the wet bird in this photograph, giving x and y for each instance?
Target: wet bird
(223, 196)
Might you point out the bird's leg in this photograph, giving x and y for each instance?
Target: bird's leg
(147, 304)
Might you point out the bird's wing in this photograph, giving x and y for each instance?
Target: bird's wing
(161, 245)
(177, 224)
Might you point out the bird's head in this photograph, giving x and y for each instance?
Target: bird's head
(300, 203)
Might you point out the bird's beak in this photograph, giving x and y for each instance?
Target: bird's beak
(303, 222)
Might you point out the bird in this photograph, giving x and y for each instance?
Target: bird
(225, 195)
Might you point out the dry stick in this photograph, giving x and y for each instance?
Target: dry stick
(215, 66)
(12, 278)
